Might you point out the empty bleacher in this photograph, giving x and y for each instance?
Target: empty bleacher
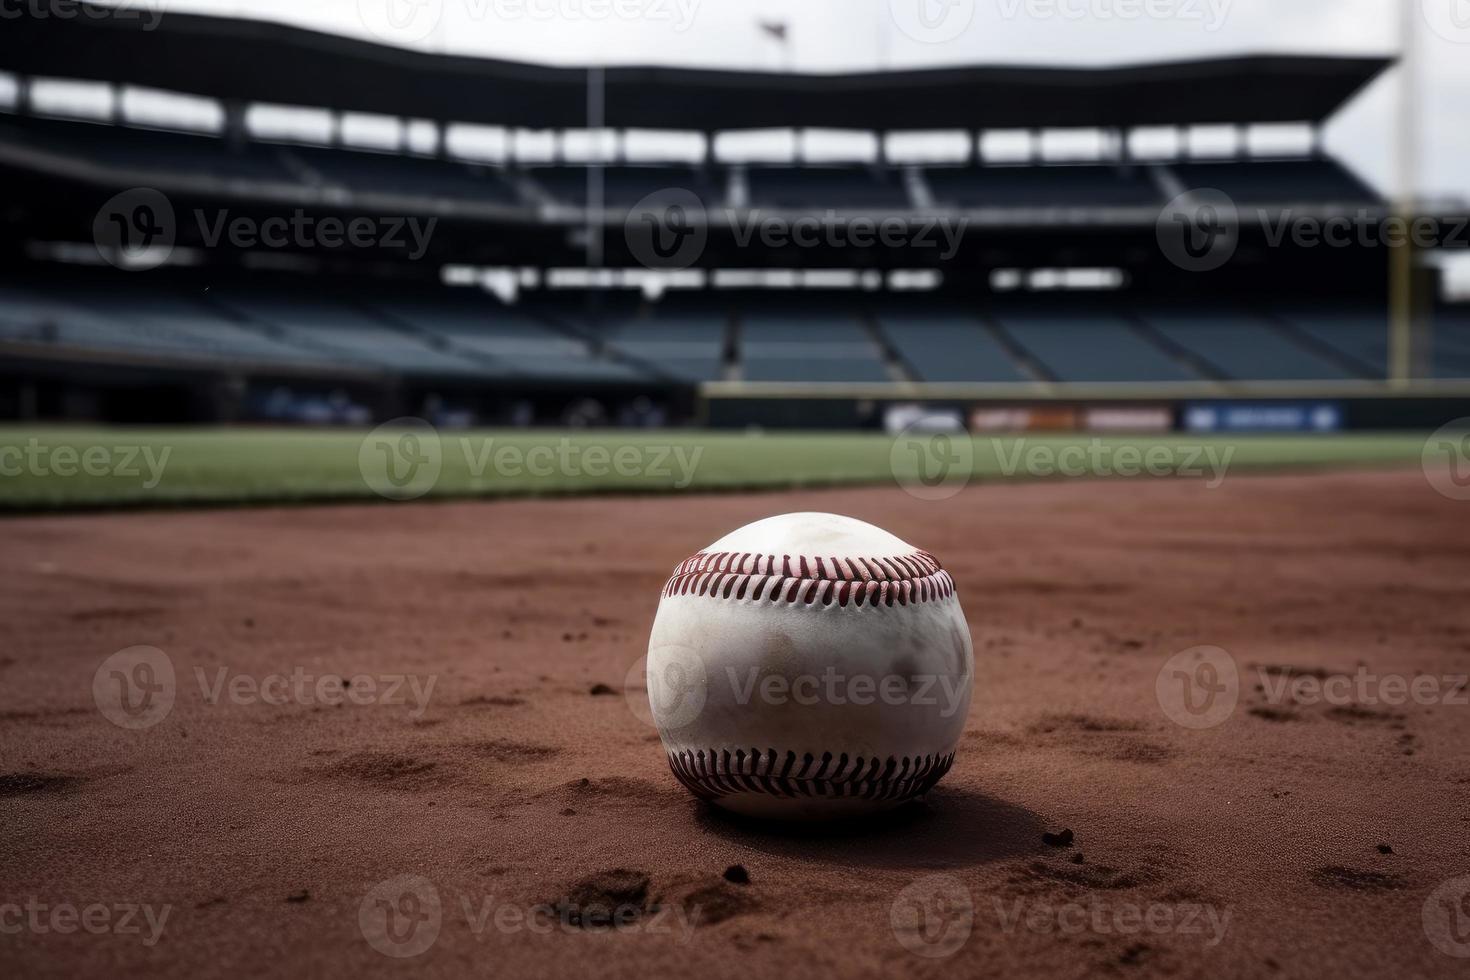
(623, 186)
(1278, 181)
(945, 343)
(1058, 186)
(383, 173)
(142, 151)
(806, 341)
(141, 320)
(1086, 342)
(805, 188)
(680, 335)
(1241, 345)
(513, 339)
(331, 325)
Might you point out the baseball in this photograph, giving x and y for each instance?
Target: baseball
(810, 666)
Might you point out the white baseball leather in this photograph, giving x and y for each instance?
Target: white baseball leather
(810, 596)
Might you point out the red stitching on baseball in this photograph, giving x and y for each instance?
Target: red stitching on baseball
(872, 581)
(717, 774)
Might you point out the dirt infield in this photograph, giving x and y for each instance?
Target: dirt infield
(481, 812)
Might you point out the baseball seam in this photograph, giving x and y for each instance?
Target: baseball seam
(722, 773)
(898, 580)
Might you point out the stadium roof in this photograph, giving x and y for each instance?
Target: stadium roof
(258, 61)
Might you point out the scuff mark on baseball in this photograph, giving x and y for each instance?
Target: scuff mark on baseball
(810, 666)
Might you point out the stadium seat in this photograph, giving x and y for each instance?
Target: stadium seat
(1278, 181)
(1041, 186)
(1086, 342)
(806, 340)
(1242, 345)
(803, 188)
(395, 174)
(625, 186)
(945, 343)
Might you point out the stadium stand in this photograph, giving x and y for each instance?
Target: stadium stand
(806, 339)
(101, 148)
(1042, 186)
(1239, 345)
(946, 344)
(1278, 181)
(682, 335)
(334, 326)
(1082, 342)
(142, 320)
(375, 330)
(514, 340)
(625, 186)
(387, 173)
(804, 188)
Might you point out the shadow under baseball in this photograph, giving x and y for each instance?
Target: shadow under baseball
(951, 827)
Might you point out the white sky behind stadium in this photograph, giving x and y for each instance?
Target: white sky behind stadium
(831, 35)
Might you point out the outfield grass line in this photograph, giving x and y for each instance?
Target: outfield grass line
(85, 468)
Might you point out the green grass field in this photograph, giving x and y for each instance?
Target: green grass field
(47, 468)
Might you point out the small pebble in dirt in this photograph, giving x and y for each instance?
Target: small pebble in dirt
(1384, 849)
(569, 812)
(598, 689)
(1077, 858)
(737, 875)
(1063, 839)
(300, 896)
(566, 637)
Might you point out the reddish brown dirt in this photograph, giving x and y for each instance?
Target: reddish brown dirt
(263, 827)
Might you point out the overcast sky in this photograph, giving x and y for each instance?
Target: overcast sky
(828, 35)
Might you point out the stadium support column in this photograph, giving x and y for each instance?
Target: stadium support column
(234, 124)
(1404, 320)
(596, 121)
